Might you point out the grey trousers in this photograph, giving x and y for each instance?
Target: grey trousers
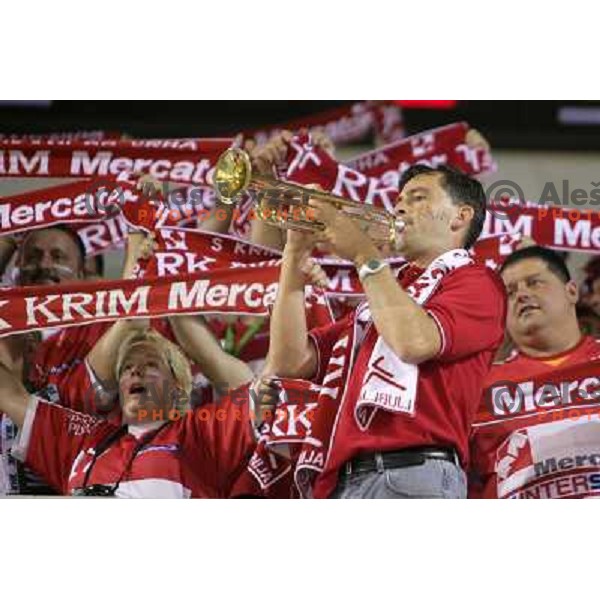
(433, 479)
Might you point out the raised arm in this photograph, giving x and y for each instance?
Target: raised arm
(200, 345)
(264, 159)
(102, 357)
(218, 219)
(290, 352)
(8, 246)
(13, 396)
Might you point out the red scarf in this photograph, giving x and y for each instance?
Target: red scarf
(194, 251)
(249, 291)
(181, 250)
(555, 227)
(101, 236)
(373, 177)
(493, 251)
(442, 146)
(99, 201)
(71, 203)
(345, 125)
(189, 161)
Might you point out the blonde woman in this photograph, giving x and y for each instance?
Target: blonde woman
(161, 450)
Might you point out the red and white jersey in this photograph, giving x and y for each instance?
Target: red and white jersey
(199, 455)
(469, 310)
(58, 369)
(537, 432)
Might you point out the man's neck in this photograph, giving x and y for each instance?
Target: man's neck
(550, 341)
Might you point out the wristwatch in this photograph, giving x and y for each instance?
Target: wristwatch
(370, 268)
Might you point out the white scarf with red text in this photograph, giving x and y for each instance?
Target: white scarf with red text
(391, 384)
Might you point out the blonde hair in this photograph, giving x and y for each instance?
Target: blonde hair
(178, 363)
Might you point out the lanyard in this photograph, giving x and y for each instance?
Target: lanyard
(108, 441)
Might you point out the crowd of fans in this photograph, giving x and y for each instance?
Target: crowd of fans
(147, 408)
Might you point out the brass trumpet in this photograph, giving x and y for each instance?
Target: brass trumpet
(285, 205)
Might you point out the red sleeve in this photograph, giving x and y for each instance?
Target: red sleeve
(470, 312)
(77, 389)
(323, 339)
(50, 440)
(220, 438)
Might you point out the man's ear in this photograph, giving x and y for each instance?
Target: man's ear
(463, 217)
(572, 292)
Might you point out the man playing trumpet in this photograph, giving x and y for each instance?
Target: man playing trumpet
(415, 353)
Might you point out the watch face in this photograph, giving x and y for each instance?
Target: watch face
(373, 263)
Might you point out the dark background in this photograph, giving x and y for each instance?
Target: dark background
(507, 123)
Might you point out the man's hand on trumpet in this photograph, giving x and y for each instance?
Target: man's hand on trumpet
(299, 246)
(342, 235)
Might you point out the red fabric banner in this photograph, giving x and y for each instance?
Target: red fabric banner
(71, 203)
(548, 225)
(442, 146)
(346, 124)
(182, 250)
(249, 291)
(189, 161)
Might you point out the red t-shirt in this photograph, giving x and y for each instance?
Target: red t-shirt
(58, 370)
(537, 431)
(469, 309)
(199, 455)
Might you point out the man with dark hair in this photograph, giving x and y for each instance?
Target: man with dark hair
(50, 362)
(537, 432)
(461, 189)
(54, 366)
(49, 256)
(404, 370)
(552, 260)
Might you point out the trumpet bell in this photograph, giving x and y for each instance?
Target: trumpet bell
(233, 173)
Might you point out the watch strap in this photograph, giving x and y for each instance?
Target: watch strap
(370, 268)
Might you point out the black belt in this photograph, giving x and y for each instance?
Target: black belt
(410, 457)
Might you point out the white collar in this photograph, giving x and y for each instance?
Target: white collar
(143, 428)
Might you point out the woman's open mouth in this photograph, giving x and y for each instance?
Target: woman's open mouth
(138, 389)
